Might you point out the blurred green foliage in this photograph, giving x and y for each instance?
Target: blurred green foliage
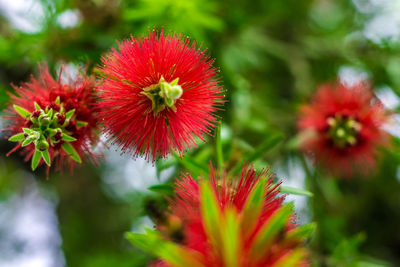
(272, 56)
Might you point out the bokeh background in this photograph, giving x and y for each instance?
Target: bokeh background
(272, 56)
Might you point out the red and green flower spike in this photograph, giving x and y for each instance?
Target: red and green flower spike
(237, 223)
(47, 128)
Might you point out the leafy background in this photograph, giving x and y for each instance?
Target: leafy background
(272, 56)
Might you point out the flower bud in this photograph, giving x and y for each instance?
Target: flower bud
(60, 119)
(42, 145)
(44, 121)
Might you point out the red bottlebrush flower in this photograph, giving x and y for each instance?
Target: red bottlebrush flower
(236, 222)
(157, 94)
(342, 127)
(53, 121)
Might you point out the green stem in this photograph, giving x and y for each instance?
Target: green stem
(218, 148)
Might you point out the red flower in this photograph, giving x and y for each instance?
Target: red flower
(236, 222)
(157, 94)
(53, 121)
(342, 127)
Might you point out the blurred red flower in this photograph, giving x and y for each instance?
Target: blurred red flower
(157, 94)
(229, 222)
(342, 128)
(53, 121)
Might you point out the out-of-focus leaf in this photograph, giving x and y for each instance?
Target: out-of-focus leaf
(166, 189)
(301, 232)
(269, 143)
(270, 229)
(173, 254)
(253, 206)
(231, 238)
(211, 215)
(218, 148)
(296, 191)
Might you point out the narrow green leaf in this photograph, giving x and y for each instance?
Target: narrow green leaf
(50, 114)
(37, 107)
(145, 241)
(70, 150)
(58, 100)
(22, 112)
(218, 148)
(270, 229)
(166, 189)
(296, 191)
(269, 143)
(174, 82)
(27, 142)
(81, 123)
(69, 114)
(301, 232)
(46, 157)
(28, 131)
(36, 159)
(211, 214)
(231, 238)
(17, 137)
(163, 164)
(253, 206)
(67, 137)
(291, 259)
(170, 252)
(190, 163)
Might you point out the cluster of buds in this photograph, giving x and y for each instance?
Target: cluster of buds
(49, 127)
(163, 95)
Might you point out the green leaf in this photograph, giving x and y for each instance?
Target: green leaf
(50, 113)
(253, 206)
(17, 137)
(22, 112)
(265, 146)
(301, 232)
(67, 137)
(165, 189)
(191, 164)
(172, 253)
(28, 131)
(218, 148)
(163, 164)
(211, 214)
(27, 142)
(37, 107)
(231, 238)
(81, 124)
(296, 191)
(58, 100)
(291, 259)
(46, 157)
(174, 82)
(270, 229)
(36, 159)
(69, 114)
(70, 150)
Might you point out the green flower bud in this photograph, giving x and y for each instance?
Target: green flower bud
(42, 145)
(44, 121)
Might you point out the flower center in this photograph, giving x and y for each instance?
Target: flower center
(343, 130)
(163, 94)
